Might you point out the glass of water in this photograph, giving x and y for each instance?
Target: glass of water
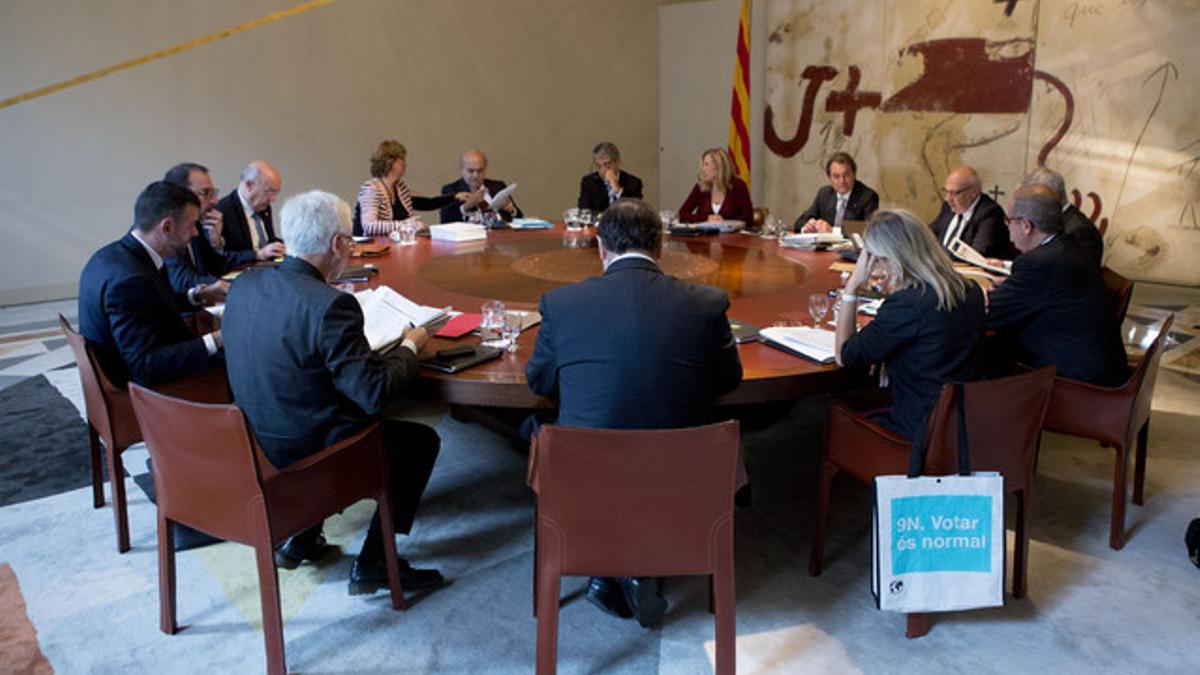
(585, 218)
(571, 219)
(491, 327)
(668, 218)
(408, 232)
(818, 307)
(513, 321)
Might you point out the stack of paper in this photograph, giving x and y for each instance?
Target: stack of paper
(530, 224)
(457, 232)
(721, 225)
(387, 314)
(814, 343)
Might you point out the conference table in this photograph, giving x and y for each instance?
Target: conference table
(766, 284)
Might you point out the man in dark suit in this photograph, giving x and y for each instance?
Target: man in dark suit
(1054, 308)
(843, 199)
(473, 166)
(608, 182)
(205, 260)
(633, 349)
(127, 308)
(1076, 226)
(248, 221)
(302, 372)
(970, 215)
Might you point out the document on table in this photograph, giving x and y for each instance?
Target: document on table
(963, 251)
(387, 314)
(498, 200)
(813, 343)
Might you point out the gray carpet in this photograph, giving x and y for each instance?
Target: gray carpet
(44, 441)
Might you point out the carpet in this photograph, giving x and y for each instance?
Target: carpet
(44, 441)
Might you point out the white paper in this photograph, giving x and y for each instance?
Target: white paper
(963, 251)
(498, 200)
(457, 232)
(815, 343)
(387, 314)
(721, 225)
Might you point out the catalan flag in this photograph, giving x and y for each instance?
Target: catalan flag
(739, 113)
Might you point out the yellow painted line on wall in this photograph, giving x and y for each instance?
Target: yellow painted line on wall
(162, 53)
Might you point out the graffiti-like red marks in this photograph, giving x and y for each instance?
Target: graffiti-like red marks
(960, 76)
(850, 100)
(816, 76)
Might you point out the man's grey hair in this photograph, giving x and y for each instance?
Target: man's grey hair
(310, 220)
(1051, 179)
(606, 149)
(1039, 204)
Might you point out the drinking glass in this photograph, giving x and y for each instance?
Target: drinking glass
(818, 307)
(668, 218)
(491, 327)
(879, 277)
(513, 321)
(408, 232)
(571, 218)
(585, 218)
(475, 217)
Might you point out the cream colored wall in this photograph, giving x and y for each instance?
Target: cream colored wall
(536, 84)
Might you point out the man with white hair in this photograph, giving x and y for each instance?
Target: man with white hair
(249, 224)
(302, 372)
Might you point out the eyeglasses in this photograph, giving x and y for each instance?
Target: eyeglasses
(206, 193)
(954, 193)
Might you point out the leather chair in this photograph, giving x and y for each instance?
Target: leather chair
(1113, 416)
(625, 503)
(210, 474)
(1120, 291)
(1004, 421)
(110, 419)
(761, 213)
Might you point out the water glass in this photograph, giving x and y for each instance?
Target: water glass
(585, 218)
(818, 307)
(408, 232)
(571, 218)
(491, 327)
(669, 218)
(513, 322)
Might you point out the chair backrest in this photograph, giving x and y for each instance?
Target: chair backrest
(760, 217)
(100, 395)
(1141, 382)
(635, 502)
(1120, 290)
(1004, 422)
(203, 462)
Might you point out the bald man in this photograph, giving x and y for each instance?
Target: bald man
(473, 166)
(248, 222)
(972, 216)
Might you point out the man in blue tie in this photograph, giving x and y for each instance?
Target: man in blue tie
(845, 198)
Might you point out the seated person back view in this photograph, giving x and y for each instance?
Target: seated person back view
(1054, 308)
(718, 194)
(127, 307)
(633, 349)
(301, 371)
(1076, 226)
(928, 331)
(473, 167)
(608, 183)
(249, 224)
(972, 216)
(845, 198)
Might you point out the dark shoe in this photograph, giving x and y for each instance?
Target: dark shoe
(605, 593)
(295, 551)
(368, 577)
(643, 598)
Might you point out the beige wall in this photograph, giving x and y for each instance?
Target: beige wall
(536, 84)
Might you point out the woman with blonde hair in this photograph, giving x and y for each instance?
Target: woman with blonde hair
(384, 199)
(928, 331)
(718, 193)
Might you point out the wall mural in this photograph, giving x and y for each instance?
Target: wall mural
(1104, 92)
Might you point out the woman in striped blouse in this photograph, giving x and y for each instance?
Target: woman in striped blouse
(385, 200)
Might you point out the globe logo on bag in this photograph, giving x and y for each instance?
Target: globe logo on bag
(896, 587)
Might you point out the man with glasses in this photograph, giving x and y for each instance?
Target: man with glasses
(972, 216)
(249, 224)
(608, 182)
(205, 260)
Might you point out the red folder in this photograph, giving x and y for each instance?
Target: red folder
(460, 325)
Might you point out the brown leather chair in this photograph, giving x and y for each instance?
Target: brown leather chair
(110, 419)
(1004, 421)
(1113, 416)
(634, 503)
(1120, 291)
(760, 217)
(210, 474)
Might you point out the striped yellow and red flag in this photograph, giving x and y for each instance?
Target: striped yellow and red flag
(739, 112)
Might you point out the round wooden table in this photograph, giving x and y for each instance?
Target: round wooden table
(765, 284)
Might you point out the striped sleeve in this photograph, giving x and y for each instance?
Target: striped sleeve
(375, 209)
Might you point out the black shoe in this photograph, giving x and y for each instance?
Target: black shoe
(643, 598)
(368, 577)
(295, 551)
(605, 593)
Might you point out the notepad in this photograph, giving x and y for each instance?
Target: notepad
(812, 343)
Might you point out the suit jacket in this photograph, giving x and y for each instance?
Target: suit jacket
(204, 264)
(450, 212)
(862, 203)
(299, 364)
(1082, 230)
(236, 229)
(985, 232)
(923, 347)
(129, 312)
(1054, 309)
(594, 196)
(698, 205)
(634, 348)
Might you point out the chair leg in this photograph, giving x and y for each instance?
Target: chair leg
(268, 589)
(1021, 545)
(712, 607)
(816, 561)
(97, 468)
(535, 560)
(166, 574)
(918, 626)
(1116, 532)
(116, 478)
(1139, 464)
(724, 589)
(547, 620)
(388, 529)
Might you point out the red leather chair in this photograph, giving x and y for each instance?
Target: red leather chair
(1004, 421)
(210, 474)
(110, 419)
(1120, 291)
(625, 503)
(1113, 416)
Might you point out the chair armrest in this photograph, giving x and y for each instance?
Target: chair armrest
(211, 386)
(324, 455)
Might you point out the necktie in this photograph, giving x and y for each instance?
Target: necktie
(841, 210)
(952, 230)
(260, 232)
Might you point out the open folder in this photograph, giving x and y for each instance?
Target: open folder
(387, 314)
(813, 343)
